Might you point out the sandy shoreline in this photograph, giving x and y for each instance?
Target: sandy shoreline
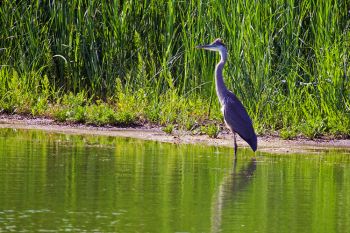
(265, 143)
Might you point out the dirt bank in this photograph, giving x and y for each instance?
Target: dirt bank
(265, 143)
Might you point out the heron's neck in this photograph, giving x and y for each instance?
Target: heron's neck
(219, 80)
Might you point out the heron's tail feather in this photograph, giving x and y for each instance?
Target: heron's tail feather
(252, 141)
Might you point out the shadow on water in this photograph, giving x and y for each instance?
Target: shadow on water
(237, 180)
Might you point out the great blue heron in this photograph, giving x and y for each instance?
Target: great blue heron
(235, 115)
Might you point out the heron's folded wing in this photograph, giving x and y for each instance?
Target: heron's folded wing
(237, 118)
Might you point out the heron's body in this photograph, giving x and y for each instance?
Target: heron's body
(235, 116)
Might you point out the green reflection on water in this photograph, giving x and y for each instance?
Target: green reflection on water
(90, 183)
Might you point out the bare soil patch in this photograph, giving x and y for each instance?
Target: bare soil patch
(271, 144)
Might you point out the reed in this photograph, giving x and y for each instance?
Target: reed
(288, 60)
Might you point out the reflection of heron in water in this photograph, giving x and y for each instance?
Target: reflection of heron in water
(243, 177)
(232, 183)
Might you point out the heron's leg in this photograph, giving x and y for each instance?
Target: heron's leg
(234, 165)
(235, 145)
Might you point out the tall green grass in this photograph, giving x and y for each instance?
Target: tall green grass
(288, 61)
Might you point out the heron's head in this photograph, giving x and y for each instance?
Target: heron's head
(217, 46)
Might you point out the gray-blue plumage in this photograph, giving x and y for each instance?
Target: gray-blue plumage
(238, 120)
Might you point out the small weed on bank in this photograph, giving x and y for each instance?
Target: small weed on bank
(100, 114)
(287, 134)
(70, 108)
(168, 129)
(211, 130)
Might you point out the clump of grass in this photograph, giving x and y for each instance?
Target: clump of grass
(168, 129)
(212, 130)
(287, 134)
(44, 92)
(100, 114)
(24, 93)
(313, 129)
(71, 108)
(130, 104)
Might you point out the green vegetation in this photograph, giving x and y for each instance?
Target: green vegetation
(130, 62)
(168, 129)
(211, 130)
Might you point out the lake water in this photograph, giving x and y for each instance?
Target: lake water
(55, 182)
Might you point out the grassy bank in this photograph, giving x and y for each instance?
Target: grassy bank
(125, 62)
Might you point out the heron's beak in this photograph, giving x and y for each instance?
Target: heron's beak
(206, 46)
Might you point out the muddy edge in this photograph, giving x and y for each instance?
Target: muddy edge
(271, 144)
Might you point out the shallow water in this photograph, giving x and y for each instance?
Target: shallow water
(56, 182)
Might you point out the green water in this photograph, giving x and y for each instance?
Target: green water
(55, 182)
